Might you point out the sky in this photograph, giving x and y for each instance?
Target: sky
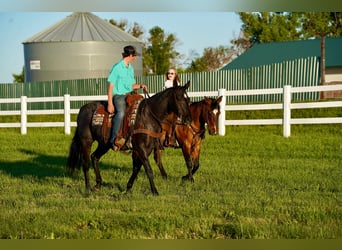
(194, 30)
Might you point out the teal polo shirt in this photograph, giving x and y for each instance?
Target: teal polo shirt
(122, 77)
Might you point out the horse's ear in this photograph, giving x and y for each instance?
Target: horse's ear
(219, 99)
(207, 100)
(187, 85)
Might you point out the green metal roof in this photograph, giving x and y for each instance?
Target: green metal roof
(269, 53)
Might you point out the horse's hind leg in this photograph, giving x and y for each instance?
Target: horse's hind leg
(189, 164)
(195, 157)
(195, 162)
(95, 158)
(85, 154)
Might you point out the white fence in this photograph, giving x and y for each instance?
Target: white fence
(286, 121)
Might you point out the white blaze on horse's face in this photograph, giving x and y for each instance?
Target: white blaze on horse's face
(215, 111)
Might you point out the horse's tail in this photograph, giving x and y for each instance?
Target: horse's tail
(75, 154)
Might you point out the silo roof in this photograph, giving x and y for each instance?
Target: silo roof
(82, 26)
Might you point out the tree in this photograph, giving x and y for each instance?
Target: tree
(212, 59)
(240, 44)
(320, 25)
(135, 30)
(159, 51)
(20, 78)
(261, 27)
(122, 24)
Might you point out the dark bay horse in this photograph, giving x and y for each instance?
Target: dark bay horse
(190, 137)
(148, 127)
(150, 113)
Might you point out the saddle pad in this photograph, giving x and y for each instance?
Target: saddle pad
(134, 112)
(99, 116)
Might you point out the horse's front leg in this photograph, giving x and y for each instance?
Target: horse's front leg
(157, 159)
(150, 176)
(136, 168)
(143, 154)
(137, 163)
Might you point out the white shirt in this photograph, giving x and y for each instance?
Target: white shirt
(168, 84)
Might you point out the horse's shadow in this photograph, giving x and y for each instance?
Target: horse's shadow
(42, 166)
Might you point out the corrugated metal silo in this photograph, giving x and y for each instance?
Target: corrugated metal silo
(78, 47)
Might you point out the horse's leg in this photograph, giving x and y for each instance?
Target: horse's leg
(195, 156)
(157, 159)
(186, 149)
(95, 158)
(86, 147)
(136, 168)
(141, 158)
(149, 173)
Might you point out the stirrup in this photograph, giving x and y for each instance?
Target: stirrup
(120, 142)
(117, 145)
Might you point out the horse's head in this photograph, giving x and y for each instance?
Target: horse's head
(212, 114)
(181, 105)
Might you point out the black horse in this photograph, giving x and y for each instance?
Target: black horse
(146, 135)
(148, 127)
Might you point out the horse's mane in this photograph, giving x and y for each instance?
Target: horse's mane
(167, 91)
(152, 105)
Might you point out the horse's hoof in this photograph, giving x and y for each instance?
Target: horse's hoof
(96, 188)
(87, 192)
(188, 178)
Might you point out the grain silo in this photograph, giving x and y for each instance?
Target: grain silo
(80, 46)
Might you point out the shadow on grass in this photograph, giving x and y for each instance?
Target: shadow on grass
(42, 165)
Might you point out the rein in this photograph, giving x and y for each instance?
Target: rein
(196, 131)
(146, 93)
(148, 132)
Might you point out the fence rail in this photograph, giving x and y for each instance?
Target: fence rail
(287, 92)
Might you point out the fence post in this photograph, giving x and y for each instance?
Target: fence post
(222, 117)
(23, 115)
(287, 111)
(67, 119)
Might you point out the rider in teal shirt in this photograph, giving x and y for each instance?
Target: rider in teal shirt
(124, 77)
(120, 82)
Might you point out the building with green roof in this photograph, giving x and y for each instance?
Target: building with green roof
(277, 52)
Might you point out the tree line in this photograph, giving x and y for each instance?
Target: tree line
(159, 48)
(257, 27)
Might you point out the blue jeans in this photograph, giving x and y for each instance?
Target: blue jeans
(119, 102)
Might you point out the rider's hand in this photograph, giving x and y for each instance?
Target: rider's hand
(110, 108)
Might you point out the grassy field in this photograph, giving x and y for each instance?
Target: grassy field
(252, 183)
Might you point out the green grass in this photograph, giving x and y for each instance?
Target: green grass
(252, 183)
